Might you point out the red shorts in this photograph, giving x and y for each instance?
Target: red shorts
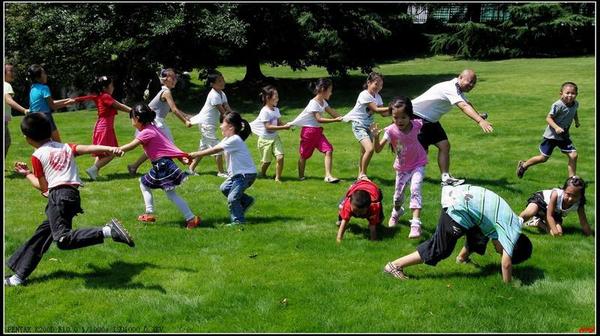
(311, 138)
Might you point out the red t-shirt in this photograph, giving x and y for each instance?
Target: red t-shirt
(374, 213)
(104, 103)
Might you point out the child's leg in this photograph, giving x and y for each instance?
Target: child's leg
(181, 204)
(132, 168)
(263, 168)
(530, 211)
(416, 183)
(408, 260)
(301, 167)
(219, 160)
(103, 161)
(279, 167)
(24, 260)
(366, 155)
(535, 160)
(148, 198)
(402, 179)
(572, 165)
(328, 163)
(233, 188)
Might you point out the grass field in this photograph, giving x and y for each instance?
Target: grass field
(283, 271)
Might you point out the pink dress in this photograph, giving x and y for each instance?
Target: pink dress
(104, 130)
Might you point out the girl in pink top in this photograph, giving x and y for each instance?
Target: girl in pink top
(410, 161)
(164, 174)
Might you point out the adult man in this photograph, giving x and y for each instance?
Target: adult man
(9, 103)
(437, 101)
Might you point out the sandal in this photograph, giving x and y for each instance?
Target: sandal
(147, 218)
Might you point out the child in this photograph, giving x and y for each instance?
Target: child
(548, 207)
(208, 119)
(559, 119)
(104, 130)
(362, 200)
(410, 162)
(312, 136)
(55, 175)
(479, 214)
(266, 126)
(40, 98)
(367, 104)
(164, 173)
(9, 103)
(162, 103)
(240, 166)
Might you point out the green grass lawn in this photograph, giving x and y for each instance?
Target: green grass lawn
(283, 271)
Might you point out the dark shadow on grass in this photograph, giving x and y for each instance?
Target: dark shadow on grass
(383, 232)
(110, 177)
(118, 275)
(528, 275)
(254, 220)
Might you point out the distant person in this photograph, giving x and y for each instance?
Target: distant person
(210, 116)
(9, 103)
(40, 98)
(164, 174)
(559, 119)
(311, 135)
(480, 215)
(58, 180)
(162, 103)
(410, 160)
(362, 114)
(547, 208)
(362, 200)
(241, 171)
(437, 101)
(265, 126)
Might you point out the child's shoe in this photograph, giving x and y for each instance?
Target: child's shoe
(223, 175)
(234, 223)
(394, 271)
(415, 229)
(395, 216)
(192, 223)
(147, 217)
(119, 233)
(534, 221)
(450, 180)
(331, 179)
(92, 172)
(521, 169)
(11, 282)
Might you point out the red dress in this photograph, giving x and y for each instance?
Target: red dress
(104, 131)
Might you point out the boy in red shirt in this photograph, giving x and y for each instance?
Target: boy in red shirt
(362, 200)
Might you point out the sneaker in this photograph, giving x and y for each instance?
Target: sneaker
(393, 220)
(248, 205)
(394, 271)
(533, 222)
(451, 181)
(192, 223)
(223, 175)
(234, 223)
(331, 179)
(132, 171)
(302, 178)
(9, 282)
(190, 172)
(147, 218)
(119, 233)
(415, 229)
(92, 173)
(521, 169)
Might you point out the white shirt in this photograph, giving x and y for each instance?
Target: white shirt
(239, 160)
(56, 162)
(438, 100)
(7, 89)
(209, 114)
(266, 115)
(559, 201)
(307, 117)
(360, 112)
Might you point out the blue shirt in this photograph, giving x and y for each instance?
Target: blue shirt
(471, 206)
(37, 98)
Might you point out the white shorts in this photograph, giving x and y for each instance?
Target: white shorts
(209, 137)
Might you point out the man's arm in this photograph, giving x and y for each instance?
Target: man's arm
(468, 109)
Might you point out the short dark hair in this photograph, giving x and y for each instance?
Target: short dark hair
(143, 112)
(36, 126)
(360, 199)
(569, 84)
(322, 84)
(522, 250)
(577, 182)
(34, 73)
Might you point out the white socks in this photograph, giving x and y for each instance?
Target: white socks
(106, 231)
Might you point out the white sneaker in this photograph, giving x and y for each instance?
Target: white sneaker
(395, 216)
(534, 221)
(450, 180)
(223, 175)
(415, 229)
(92, 172)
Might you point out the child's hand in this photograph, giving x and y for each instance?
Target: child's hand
(340, 118)
(117, 151)
(70, 101)
(374, 128)
(185, 160)
(557, 231)
(188, 124)
(21, 168)
(287, 126)
(559, 130)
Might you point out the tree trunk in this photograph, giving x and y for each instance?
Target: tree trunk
(253, 72)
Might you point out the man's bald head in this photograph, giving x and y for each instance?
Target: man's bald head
(467, 80)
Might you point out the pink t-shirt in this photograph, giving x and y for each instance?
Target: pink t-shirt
(157, 145)
(409, 152)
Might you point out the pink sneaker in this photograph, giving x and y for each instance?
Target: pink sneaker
(393, 220)
(415, 229)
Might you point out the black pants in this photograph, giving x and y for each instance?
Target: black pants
(63, 204)
(443, 241)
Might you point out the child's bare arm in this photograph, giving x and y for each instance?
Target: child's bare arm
(120, 106)
(378, 144)
(169, 98)
(39, 183)
(333, 113)
(279, 126)
(576, 118)
(585, 226)
(326, 120)
(384, 111)
(506, 267)
(131, 145)
(93, 149)
(208, 151)
(555, 229)
(341, 230)
(554, 125)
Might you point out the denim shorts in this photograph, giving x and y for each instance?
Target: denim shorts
(361, 131)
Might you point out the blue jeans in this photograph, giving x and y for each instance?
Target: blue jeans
(237, 200)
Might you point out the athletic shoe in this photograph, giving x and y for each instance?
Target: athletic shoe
(8, 282)
(92, 173)
(132, 171)
(331, 179)
(533, 222)
(394, 271)
(521, 169)
(415, 229)
(451, 181)
(147, 218)
(234, 223)
(395, 216)
(302, 178)
(192, 223)
(119, 233)
(223, 175)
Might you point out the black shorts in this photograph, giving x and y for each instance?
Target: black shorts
(431, 133)
(443, 241)
(538, 199)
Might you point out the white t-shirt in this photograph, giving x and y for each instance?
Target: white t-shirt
(239, 160)
(307, 117)
(559, 201)
(266, 115)
(438, 100)
(7, 89)
(56, 162)
(360, 112)
(209, 114)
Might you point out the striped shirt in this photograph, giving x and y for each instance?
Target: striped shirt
(471, 206)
